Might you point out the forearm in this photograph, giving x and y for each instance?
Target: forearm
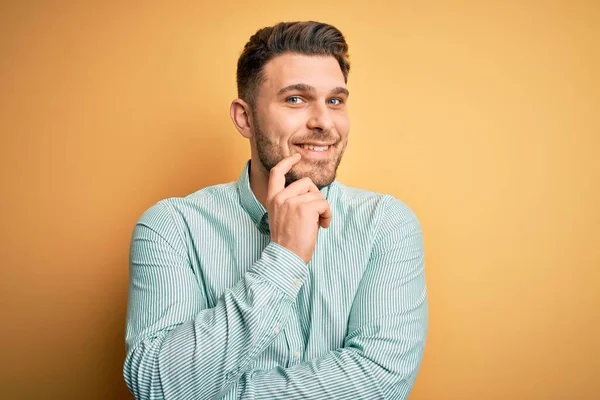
(364, 369)
(341, 374)
(202, 357)
(379, 360)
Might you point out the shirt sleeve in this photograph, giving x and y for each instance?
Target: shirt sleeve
(387, 328)
(177, 347)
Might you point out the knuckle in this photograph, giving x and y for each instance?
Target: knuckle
(278, 200)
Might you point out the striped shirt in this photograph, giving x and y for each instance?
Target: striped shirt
(217, 310)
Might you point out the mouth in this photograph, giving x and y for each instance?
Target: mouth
(314, 151)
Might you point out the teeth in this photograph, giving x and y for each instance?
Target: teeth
(315, 148)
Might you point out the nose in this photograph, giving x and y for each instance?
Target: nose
(320, 119)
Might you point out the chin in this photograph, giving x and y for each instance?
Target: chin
(319, 178)
(322, 181)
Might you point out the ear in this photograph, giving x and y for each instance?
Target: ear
(241, 117)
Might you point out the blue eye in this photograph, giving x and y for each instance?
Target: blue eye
(335, 102)
(291, 100)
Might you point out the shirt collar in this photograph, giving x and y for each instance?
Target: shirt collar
(250, 203)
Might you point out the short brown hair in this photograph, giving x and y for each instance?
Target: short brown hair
(307, 38)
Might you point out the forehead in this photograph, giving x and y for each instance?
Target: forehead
(321, 72)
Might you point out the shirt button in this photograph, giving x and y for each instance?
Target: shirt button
(276, 331)
(296, 354)
(297, 282)
(230, 374)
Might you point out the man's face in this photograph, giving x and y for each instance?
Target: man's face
(301, 108)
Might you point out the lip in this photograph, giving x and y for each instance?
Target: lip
(316, 143)
(315, 155)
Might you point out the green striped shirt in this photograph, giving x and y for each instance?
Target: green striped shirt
(217, 310)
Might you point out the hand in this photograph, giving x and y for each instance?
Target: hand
(297, 212)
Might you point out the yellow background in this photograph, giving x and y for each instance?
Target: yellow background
(482, 116)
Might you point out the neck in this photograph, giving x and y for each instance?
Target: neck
(259, 181)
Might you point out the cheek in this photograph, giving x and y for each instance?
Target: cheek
(286, 123)
(342, 124)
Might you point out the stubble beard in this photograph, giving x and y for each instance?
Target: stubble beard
(322, 172)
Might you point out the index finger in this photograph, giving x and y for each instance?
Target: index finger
(277, 176)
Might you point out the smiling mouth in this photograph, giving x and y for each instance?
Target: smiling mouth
(315, 152)
(314, 147)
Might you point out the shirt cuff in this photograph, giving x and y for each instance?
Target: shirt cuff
(281, 267)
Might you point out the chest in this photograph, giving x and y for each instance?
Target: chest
(324, 303)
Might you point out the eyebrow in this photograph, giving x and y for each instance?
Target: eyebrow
(302, 87)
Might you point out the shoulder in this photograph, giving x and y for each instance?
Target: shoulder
(383, 211)
(174, 210)
(385, 204)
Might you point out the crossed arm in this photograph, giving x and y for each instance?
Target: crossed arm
(178, 348)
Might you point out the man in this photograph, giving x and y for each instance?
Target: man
(285, 284)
